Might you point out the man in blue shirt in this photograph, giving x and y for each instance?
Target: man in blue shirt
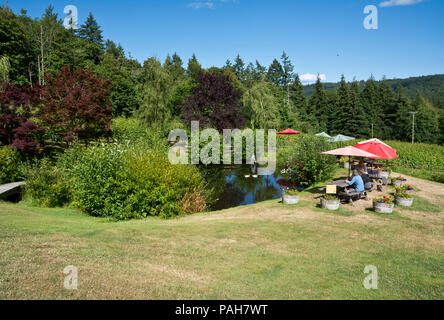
(357, 182)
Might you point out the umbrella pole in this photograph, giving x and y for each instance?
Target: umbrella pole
(349, 165)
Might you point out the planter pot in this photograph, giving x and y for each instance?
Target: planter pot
(404, 202)
(330, 204)
(383, 207)
(399, 183)
(286, 199)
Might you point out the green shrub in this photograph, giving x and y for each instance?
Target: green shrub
(11, 168)
(123, 182)
(304, 162)
(47, 185)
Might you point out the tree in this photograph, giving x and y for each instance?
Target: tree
(215, 102)
(316, 112)
(372, 106)
(156, 95)
(194, 68)
(18, 105)
(426, 121)
(344, 106)
(239, 69)
(288, 75)
(123, 94)
(357, 122)
(297, 97)
(91, 33)
(5, 66)
(275, 73)
(261, 106)
(15, 45)
(388, 104)
(76, 105)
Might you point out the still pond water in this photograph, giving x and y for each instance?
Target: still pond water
(237, 186)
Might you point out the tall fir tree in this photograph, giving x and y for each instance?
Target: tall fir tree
(387, 102)
(91, 31)
(316, 106)
(344, 110)
(275, 73)
(194, 68)
(372, 107)
(358, 122)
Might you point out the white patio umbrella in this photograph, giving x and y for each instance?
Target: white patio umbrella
(350, 152)
(323, 134)
(340, 137)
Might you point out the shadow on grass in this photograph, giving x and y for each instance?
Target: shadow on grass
(341, 211)
(395, 215)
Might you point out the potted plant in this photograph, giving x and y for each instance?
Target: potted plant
(290, 196)
(399, 181)
(383, 205)
(405, 189)
(330, 202)
(404, 199)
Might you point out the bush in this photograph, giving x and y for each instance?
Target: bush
(304, 162)
(11, 169)
(47, 185)
(123, 182)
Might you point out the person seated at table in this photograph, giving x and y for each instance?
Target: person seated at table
(361, 166)
(366, 179)
(357, 182)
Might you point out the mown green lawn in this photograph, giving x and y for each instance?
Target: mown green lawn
(263, 251)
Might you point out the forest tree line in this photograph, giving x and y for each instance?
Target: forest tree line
(40, 55)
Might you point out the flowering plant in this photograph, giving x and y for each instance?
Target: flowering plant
(290, 192)
(330, 197)
(404, 194)
(400, 178)
(385, 199)
(404, 188)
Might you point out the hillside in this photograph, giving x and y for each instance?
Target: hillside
(430, 87)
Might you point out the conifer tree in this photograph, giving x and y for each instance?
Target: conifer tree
(275, 73)
(372, 107)
(91, 31)
(358, 123)
(194, 68)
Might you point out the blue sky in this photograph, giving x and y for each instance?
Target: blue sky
(320, 36)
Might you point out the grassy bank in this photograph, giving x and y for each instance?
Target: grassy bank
(263, 251)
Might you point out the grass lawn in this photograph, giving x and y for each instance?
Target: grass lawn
(262, 251)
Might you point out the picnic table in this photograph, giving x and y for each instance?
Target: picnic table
(343, 193)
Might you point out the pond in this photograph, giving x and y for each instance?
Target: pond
(237, 186)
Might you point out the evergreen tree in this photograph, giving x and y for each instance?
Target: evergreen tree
(342, 123)
(178, 71)
(288, 75)
(402, 131)
(315, 111)
(275, 73)
(426, 121)
(91, 32)
(358, 122)
(239, 69)
(194, 68)
(388, 104)
(372, 107)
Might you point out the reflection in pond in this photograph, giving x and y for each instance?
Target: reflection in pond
(236, 186)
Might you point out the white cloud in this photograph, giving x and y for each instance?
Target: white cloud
(209, 4)
(201, 4)
(308, 77)
(392, 3)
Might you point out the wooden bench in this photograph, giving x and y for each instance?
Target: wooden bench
(349, 196)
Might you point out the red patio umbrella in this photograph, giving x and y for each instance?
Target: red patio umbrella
(289, 131)
(378, 148)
